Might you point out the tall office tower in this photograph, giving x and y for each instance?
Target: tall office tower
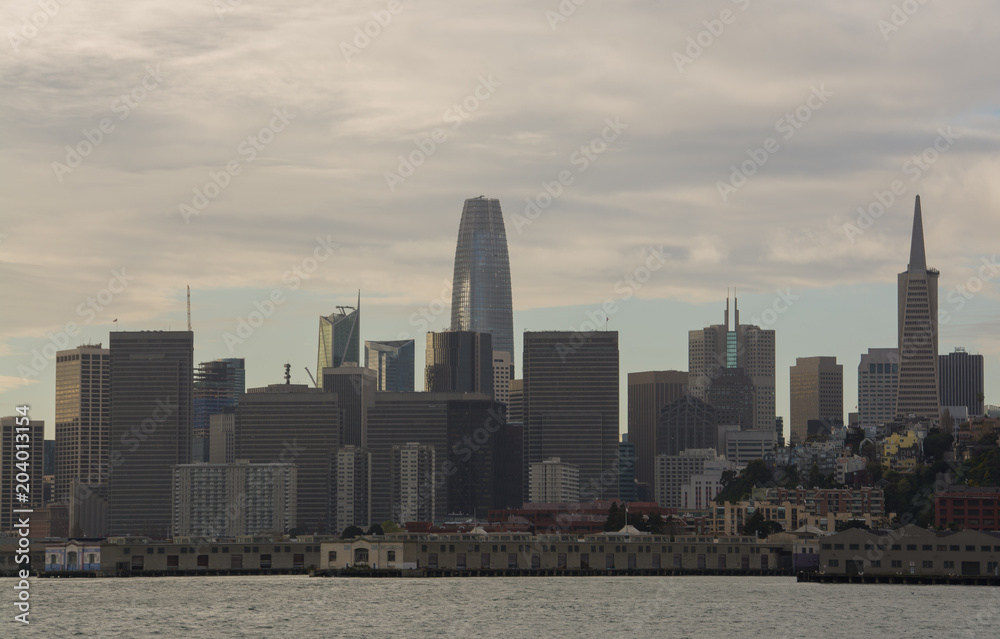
(515, 402)
(553, 481)
(816, 391)
(779, 429)
(338, 337)
(217, 385)
(732, 396)
(503, 374)
(508, 455)
(353, 489)
(294, 424)
(222, 437)
(392, 362)
(571, 405)
(648, 393)
(413, 496)
(686, 422)
(878, 379)
(716, 347)
(673, 471)
(480, 295)
(10, 428)
(83, 418)
(961, 380)
(152, 384)
(626, 469)
(918, 331)
(227, 500)
(461, 427)
(459, 362)
(355, 389)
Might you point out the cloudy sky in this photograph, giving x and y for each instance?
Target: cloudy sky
(277, 157)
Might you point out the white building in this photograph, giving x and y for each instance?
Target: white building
(673, 471)
(412, 479)
(553, 481)
(702, 488)
(353, 490)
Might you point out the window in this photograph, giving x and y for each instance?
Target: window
(876, 563)
(827, 547)
(897, 547)
(949, 564)
(331, 556)
(265, 561)
(838, 546)
(390, 555)
(161, 550)
(927, 563)
(853, 547)
(926, 547)
(953, 548)
(834, 563)
(149, 551)
(911, 546)
(896, 563)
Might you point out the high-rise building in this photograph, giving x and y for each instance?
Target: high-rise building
(816, 391)
(459, 362)
(918, 330)
(339, 337)
(503, 374)
(732, 395)
(571, 405)
(353, 489)
(648, 393)
(10, 447)
(686, 422)
(553, 481)
(226, 500)
(878, 379)
(515, 402)
(961, 380)
(393, 364)
(83, 418)
(673, 471)
(222, 437)
(217, 385)
(412, 492)
(294, 424)
(152, 384)
(745, 346)
(626, 469)
(480, 296)
(355, 389)
(508, 455)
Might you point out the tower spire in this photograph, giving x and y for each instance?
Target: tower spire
(918, 258)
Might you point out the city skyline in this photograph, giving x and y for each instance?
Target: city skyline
(311, 218)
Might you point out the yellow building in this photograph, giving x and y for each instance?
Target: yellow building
(900, 452)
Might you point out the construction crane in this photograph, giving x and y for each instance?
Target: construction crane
(311, 377)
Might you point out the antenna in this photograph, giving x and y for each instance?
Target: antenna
(288, 373)
(189, 308)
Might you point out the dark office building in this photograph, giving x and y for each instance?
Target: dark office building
(459, 362)
(687, 423)
(648, 393)
(508, 455)
(515, 402)
(339, 338)
(355, 389)
(151, 416)
(217, 386)
(393, 364)
(732, 394)
(571, 406)
(460, 427)
(294, 424)
(960, 379)
(626, 470)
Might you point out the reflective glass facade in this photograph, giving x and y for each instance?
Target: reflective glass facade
(481, 299)
(338, 338)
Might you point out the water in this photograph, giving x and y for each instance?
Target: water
(648, 607)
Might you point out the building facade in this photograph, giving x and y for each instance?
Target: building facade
(459, 362)
(878, 385)
(673, 471)
(355, 389)
(353, 489)
(553, 481)
(393, 363)
(21, 442)
(217, 386)
(648, 393)
(816, 391)
(83, 418)
(686, 423)
(411, 479)
(960, 376)
(339, 338)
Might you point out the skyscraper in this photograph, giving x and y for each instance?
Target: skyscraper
(878, 382)
(355, 389)
(353, 489)
(459, 362)
(83, 418)
(918, 330)
(816, 391)
(648, 393)
(217, 385)
(480, 296)
(413, 495)
(571, 406)
(961, 380)
(338, 337)
(10, 446)
(686, 423)
(392, 362)
(716, 347)
(151, 414)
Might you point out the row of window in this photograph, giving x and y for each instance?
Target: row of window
(913, 547)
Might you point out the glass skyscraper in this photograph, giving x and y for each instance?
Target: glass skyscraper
(338, 338)
(480, 297)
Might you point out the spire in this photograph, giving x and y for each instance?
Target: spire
(918, 258)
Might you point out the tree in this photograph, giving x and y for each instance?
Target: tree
(389, 526)
(757, 526)
(375, 530)
(616, 518)
(757, 473)
(947, 422)
(351, 531)
(936, 444)
(655, 524)
(852, 523)
(814, 477)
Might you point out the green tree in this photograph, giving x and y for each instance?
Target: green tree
(616, 518)
(375, 530)
(757, 526)
(389, 526)
(936, 444)
(815, 479)
(351, 531)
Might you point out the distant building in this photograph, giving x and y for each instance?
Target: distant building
(716, 347)
(878, 382)
(355, 389)
(393, 364)
(227, 500)
(626, 469)
(960, 376)
(553, 481)
(701, 488)
(918, 331)
(515, 402)
(816, 392)
(742, 447)
(222, 437)
(685, 423)
(10, 445)
(217, 385)
(571, 404)
(732, 395)
(152, 383)
(673, 471)
(411, 472)
(353, 489)
(648, 393)
(83, 418)
(967, 508)
(503, 374)
(459, 362)
(339, 338)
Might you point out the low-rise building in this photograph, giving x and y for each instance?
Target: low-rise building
(967, 508)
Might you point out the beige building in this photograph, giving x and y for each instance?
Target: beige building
(648, 393)
(553, 481)
(816, 392)
(83, 418)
